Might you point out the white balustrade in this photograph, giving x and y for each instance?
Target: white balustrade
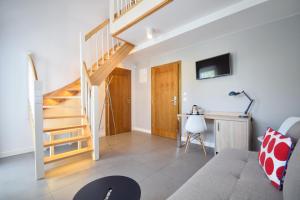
(120, 7)
(94, 49)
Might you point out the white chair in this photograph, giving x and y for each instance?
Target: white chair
(287, 124)
(285, 127)
(194, 126)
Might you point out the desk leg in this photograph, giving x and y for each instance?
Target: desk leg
(179, 144)
(215, 137)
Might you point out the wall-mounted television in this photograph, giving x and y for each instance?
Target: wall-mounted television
(213, 67)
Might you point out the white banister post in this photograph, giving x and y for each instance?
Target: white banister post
(51, 149)
(95, 121)
(113, 45)
(102, 45)
(112, 10)
(118, 8)
(97, 50)
(107, 41)
(82, 80)
(38, 130)
(121, 7)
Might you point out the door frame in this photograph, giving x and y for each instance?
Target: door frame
(179, 93)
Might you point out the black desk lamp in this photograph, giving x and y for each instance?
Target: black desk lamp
(232, 93)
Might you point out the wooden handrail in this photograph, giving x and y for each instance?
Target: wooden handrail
(85, 70)
(29, 56)
(96, 29)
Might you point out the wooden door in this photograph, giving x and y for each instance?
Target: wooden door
(165, 100)
(120, 92)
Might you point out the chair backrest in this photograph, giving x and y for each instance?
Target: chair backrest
(196, 124)
(291, 127)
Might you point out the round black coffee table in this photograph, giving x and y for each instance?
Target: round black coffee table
(110, 188)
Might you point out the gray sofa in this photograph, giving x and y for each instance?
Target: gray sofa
(236, 175)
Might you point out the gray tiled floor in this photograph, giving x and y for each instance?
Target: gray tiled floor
(154, 162)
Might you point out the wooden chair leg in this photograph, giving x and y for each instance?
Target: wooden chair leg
(202, 143)
(187, 142)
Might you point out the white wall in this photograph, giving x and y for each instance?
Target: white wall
(50, 29)
(265, 64)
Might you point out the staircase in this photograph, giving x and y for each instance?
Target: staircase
(70, 115)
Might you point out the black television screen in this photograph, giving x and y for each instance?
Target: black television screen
(213, 67)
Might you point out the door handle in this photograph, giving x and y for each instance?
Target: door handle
(174, 100)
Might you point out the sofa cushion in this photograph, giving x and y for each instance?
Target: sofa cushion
(273, 156)
(291, 185)
(232, 174)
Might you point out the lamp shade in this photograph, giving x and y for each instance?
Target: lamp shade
(196, 124)
(232, 93)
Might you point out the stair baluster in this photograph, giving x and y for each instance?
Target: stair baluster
(107, 41)
(121, 7)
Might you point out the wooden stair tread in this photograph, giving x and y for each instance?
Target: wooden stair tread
(60, 106)
(64, 116)
(73, 89)
(66, 140)
(64, 128)
(63, 97)
(68, 154)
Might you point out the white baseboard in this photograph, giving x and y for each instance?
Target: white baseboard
(207, 144)
(141, 130)
(15, 152)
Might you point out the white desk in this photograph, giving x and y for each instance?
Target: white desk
(230, 130)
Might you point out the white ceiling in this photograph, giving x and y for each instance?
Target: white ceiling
(177, 13)
(255, 15)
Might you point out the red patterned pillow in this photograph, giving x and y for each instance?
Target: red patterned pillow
(273, 156)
